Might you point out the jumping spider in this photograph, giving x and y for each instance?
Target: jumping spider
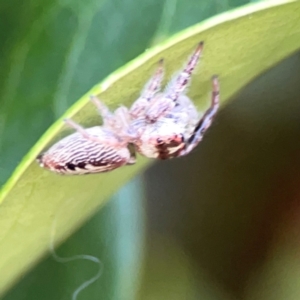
(160, 125)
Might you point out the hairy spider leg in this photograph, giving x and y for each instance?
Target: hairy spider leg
(118, 122)
(126, 131)
(153, 85)
(113, 141)
(180, 82)
(107, 116)
(206, 120)
(149, 91)
(163, 104)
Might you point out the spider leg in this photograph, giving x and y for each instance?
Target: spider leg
(106, 114)
(117, 121)
(206, 120)
(153, 85)
(150, 89)
(124, 129)
(180, 82)
(122, 115)
(111, 141)
(164, 103)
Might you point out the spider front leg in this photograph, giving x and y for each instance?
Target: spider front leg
(151, 88)
(180, 82)
(165, 102)
(206, 120)
(153, 85)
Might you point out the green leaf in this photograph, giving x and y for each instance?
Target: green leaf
(239, 46)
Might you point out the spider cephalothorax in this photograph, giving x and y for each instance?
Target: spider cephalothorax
(159, 125)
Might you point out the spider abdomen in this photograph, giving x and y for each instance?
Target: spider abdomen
(77, 155)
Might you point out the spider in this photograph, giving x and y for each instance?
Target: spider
(158, 125)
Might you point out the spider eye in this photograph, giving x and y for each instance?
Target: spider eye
(159, 140)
